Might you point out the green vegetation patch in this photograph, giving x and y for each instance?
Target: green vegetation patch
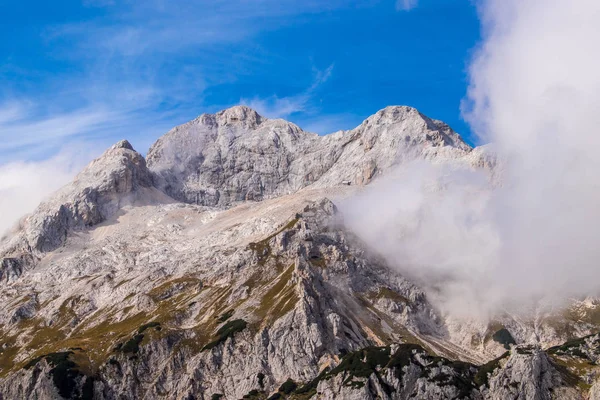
(226, 331)
(175, 286)
(482, 376)
(573, 363)
(263, 248)
(288, 386)
(570, 378)
(310, 389)
(387, 293)
(402, 357)
(225, 316)
(280, 299)
(573, 347)
(285, 390)
(154, 324)
(131, 346)
(65, 376)
(318, 261)
(254, 395)
(363, 363)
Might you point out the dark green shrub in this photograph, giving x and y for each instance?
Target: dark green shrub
(225, 316)
(65, 375)
(132, 345)
(288, 386)
(504, 337)
(226, 331)
(253, 394)
(481, 378)
(149, 325)
(87, 390)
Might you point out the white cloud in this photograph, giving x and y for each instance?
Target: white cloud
(19, 126)
(535, 93)
(330, 123)
(406, 5)
(23, 185)
(275, 107)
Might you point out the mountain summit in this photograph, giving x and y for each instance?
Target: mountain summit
(237, 155)
(220, 267)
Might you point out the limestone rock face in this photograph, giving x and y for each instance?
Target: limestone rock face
(224, 269)
(237, 155)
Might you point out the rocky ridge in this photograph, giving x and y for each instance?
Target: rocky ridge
(223, 269)
(237, 155)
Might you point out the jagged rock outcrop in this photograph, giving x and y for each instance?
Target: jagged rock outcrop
(237, 155)
(173, 281)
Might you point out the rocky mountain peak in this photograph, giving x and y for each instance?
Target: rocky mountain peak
(123, 144)
(116, 178)
(239, 115)
(120, 168)
(237, 155)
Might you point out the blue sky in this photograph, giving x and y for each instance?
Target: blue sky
(95, 71)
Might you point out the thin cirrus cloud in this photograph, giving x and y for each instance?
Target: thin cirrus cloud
(132, 68)
(406, 5)
(20, 128)
(282, 107)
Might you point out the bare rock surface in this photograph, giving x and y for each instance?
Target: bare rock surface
(237, 155)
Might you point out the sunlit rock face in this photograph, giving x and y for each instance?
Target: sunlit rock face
(237, 155)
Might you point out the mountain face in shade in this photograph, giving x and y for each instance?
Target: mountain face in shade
(221, 267)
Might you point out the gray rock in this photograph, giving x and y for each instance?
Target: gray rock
(237, 155)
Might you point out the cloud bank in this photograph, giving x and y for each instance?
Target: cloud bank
(535, 93)
(24, 184)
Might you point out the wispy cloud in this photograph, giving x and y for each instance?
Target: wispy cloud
(282, 107)
(406, 5)
(330, 123)
(132, 71)
(21, 127)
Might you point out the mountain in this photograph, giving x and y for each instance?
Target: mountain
(221, 267)
(237, 155)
